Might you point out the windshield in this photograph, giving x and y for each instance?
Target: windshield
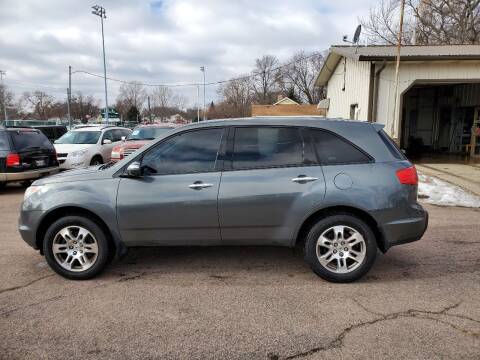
(147, 133)
(25, 140)
(79, 137)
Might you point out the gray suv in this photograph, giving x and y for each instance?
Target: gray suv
(339, 189)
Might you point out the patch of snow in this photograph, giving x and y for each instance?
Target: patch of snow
(435, 191)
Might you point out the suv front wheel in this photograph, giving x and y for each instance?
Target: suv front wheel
(340, 248)
(76, 247)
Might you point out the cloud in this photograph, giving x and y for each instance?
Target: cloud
(160, 41)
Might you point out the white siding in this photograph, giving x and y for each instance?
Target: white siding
(422, 72)
(357, 79)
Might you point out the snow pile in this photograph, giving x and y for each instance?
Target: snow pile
(438, 192)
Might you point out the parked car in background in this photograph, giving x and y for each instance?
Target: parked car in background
(25, 154)
(140, 136)
(88, 145)
(339, 189)
(52, 132)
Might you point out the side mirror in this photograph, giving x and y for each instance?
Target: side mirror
(107, 141)
(124, 138)
(134, 170)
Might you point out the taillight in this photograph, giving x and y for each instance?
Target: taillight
(408, 176)
(13, 159)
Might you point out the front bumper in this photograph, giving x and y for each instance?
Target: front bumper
(404, 231)
(71, 163)
(28, 225)
(29, 175)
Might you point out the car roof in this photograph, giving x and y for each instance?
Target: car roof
(97, 128)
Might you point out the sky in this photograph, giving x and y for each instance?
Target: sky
(160, 41)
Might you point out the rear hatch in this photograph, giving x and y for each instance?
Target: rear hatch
(4, 151)
(35, 151)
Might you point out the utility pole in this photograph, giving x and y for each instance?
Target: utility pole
(399, 46)
(198, 103)
(4, 99)
(69, 96)
(100, 11)
(149, 110)
(202, 69)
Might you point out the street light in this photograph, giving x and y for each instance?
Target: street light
(202, 69)
(100, 11)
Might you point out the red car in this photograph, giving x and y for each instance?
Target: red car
(140, 136)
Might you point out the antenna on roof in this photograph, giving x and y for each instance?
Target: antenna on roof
(356, 36)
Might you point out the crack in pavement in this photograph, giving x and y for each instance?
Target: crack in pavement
(411, 313)
(24, 285)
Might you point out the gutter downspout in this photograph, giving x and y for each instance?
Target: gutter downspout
(373, 115)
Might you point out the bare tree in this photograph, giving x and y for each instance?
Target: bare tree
(82, 107)
(42, 104)
(236, 98)
(300, 76)
(7, 99)
(165, 102)
(265, 79)
(131, 95)
(426, 22)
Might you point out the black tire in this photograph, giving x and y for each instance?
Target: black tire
(3, 184)
(26, 183)
(96, 160)
(102, 243)
(352, 222)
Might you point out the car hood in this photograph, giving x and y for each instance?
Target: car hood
(83, 174)
(68, 148)
(135, 144)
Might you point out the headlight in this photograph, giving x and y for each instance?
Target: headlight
(78, 153)
(34, 189)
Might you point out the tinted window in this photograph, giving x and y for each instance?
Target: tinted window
(79, 137)
(267, 147)
(117, 134)
(331, 149)
(391, 146)
(194, 151)
(4, 144)
(108, 135)
(25, 140)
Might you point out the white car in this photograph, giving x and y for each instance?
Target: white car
(88, 145)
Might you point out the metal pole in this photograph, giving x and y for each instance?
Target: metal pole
(149, 110)
(69, 96)
(204, 100)
(4, 90)
(104, 69)
(198, 103)
(399, 46)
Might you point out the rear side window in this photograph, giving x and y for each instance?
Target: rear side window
(189, 152)
(391, 146)
(4, 144)
(257, 147)
(26, 140)
(333, 150)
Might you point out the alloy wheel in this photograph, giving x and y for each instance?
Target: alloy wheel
(341, 249)
(75, 248)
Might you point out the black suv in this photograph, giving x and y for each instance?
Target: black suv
(25, 154)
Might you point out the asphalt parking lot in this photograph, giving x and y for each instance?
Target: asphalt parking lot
(421, 300)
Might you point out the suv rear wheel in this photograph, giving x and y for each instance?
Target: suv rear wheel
(76, 248)
(340, 248)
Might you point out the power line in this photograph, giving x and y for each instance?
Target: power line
(245, 77)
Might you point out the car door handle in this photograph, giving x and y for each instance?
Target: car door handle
(304, 179)
(199, 185)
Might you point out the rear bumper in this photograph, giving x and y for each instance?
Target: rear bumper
(404, 231)
(29, 175)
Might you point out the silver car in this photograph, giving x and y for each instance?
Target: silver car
(339, 189)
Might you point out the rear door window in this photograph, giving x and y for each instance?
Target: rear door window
(29, 140)
(333, 150)
(4, 143)
(263, 147)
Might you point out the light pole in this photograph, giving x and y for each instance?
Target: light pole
(4, 90)
(202, 69)
(198, 103)
(100, 11)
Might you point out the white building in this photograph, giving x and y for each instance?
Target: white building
(438, 98)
